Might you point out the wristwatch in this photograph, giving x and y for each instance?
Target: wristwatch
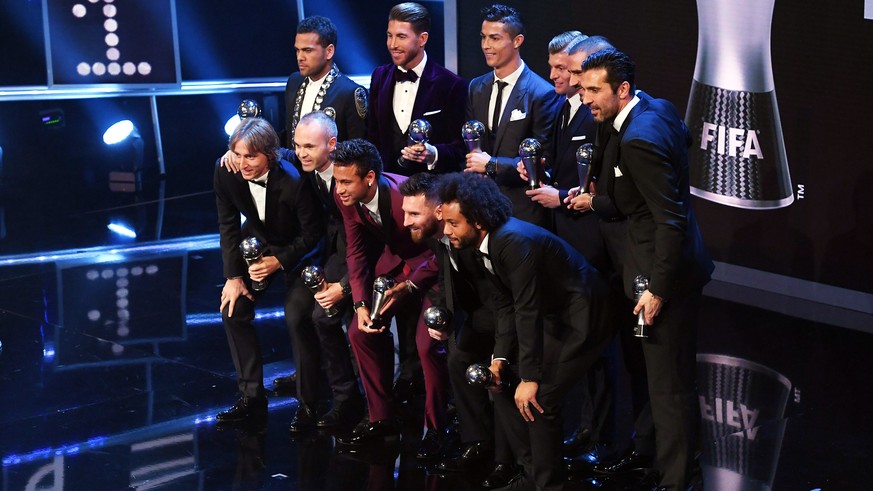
(360, 304)
(347, 289)
(491, 168)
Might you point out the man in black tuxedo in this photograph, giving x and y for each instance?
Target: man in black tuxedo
(552, 317)
(513, 103)
(320, 86)
(414, 87)
(283, 214)
(645, 174)
(314, 139)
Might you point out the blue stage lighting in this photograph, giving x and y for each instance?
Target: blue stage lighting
(122, 230)
(231, 124)
(119, 131)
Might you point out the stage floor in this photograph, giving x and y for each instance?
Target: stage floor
(113, 363)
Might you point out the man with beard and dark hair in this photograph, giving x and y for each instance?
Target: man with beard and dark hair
(645, 175)
(320, 86)
(552, 318)
(414, 87)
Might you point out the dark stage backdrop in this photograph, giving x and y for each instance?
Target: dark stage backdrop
(823, 92)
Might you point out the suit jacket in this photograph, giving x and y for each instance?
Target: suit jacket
(350, 122)
(372, 251)
(440, 100)
(548, 299)
(293, 225)
(651, 189)
(535, 104)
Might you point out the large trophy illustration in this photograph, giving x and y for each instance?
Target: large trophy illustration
(738, 155)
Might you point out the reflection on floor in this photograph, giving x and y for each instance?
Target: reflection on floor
(114, 362)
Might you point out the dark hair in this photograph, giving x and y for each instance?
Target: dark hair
(619, 67)
(422, 183)
(590, 45)
(360, 153)
(259, 136)
(413, 13)
(565, 39)
(479, 199)
(508, 16)
(320, 25)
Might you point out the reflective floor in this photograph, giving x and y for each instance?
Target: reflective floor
(113, 362)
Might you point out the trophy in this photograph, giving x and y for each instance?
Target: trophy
(641, 284)
(529, 151)
(437, 318)
(313, 278)
(380, 286)
(472, 132)
(248, 109)
(738, 155)
(584, 154)
(419, 132)
(252, 252)
(478, 375)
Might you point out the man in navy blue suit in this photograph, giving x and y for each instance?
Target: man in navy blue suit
(513, 103)
(414, 87)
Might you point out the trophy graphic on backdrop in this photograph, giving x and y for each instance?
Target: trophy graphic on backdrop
(738, 155)
(584, 155)
(419, 132)
(253, 251)
(437, 318)
(472, 132)
(313, 278)
(641, 284)
(478, 375)
(381, 285)
(530, 151)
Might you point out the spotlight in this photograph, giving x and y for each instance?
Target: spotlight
(231, 124)
(119, 131)
(122, 230)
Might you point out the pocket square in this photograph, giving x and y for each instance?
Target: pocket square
(577, 138)
(618, 172)
(431, 113)
(517, 115)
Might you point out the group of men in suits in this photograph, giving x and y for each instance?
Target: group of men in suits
(549, 264)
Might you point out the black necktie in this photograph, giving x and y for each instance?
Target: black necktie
(565, 114)
(407, 76)
(321, 185)
(263, 184)
(495, 116)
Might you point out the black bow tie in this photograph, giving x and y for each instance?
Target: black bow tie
(407, 76)
(263, 184)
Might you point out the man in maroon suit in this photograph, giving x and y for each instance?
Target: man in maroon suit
(377, 244)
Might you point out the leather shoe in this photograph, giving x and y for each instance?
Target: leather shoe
(631, 461)
(577, 443)
(503, 475)
(432, 445)
(246, 409)
(345, 413)
(371, 432)
(304, 420)
(473, 454)
(286, 385)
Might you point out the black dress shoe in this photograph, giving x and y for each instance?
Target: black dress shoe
(432, 445)
(377, 431)
(472, 455)
(503, 475)
(246, 409)
(577, 443)
(304, 420)
(345, 413)
(286, 385)
(630, 462)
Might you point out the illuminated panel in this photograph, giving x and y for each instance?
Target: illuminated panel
(99, 42)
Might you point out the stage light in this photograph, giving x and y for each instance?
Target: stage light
(119, 131)
(122, 230)
(231, 124)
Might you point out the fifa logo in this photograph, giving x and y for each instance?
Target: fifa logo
(736, 142)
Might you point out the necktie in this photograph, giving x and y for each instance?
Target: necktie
(321, 185)
(495, 117)
(407, 76)
(263, 184)
(565, 114)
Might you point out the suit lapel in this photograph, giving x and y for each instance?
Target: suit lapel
(425, 83)
(385, 206)
(271, 203)
(513, 102)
